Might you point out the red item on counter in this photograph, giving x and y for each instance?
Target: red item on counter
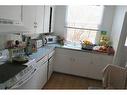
(110, 50)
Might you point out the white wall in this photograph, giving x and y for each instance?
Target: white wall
(60, 17)
(118, 34)
(107, 19)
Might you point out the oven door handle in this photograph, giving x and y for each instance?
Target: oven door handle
(24, 80)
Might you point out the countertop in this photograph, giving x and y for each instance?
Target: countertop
(41, 52)
(77, 48)
(45, 50)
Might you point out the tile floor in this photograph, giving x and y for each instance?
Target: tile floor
(65, 81)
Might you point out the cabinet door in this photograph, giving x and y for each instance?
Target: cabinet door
(79, 64)
(41, 76)
(46, 19)
(62, 63)
(39, 19)
(11, 12)
(72, 62)
(29, 17)
(99, 61)
(50, 66)
(44, 74)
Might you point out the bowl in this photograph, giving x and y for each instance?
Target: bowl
(20, 60)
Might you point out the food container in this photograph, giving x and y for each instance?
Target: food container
(87, 47)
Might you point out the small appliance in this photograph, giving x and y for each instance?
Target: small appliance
(38, 43)
(51, 39)
(44, 41)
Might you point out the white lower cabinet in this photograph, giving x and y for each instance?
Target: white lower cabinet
(99, 62)
(50, 67)
(71, 65)
(41, 75)
(46, 19)
(50, 63)
(81, 63)
(62, 63)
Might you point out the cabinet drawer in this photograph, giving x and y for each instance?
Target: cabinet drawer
(51, 54)
(43, 60)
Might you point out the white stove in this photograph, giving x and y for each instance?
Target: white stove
(19, 79)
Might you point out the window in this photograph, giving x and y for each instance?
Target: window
(83, 22)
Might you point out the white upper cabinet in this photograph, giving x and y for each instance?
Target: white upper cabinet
(49, 19)
(33, 18)
(11, 13)
(39, 19)
(29, 17)
(46, 19)
(36, 18)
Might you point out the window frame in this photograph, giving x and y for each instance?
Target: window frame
(98, 30)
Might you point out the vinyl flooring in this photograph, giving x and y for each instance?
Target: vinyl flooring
(65, 81)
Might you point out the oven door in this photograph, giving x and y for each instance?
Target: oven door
(26, 82)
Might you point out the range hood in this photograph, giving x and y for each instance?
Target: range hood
(9, 26)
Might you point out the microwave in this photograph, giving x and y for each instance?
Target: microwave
(51, 39)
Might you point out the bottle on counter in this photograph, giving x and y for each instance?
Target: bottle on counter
(28, 48)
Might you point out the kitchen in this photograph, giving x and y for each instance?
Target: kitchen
(38, 50)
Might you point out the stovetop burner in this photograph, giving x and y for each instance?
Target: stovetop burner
(8, 71)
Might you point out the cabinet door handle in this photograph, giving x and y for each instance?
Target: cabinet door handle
(35, 23)
(35, 26)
